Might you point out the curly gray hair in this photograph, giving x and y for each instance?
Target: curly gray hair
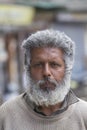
(50, 38)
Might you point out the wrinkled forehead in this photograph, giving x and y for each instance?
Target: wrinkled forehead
(47, 53)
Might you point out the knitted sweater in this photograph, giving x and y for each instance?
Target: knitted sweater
(18, 115)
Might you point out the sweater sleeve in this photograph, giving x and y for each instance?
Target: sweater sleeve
(5, 114)
(1, 120)
(82, 105)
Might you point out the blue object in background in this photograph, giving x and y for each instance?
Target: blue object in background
(76, 31)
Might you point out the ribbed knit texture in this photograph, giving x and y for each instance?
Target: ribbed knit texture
(18, 115)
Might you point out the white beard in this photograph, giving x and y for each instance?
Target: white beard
(52, 97)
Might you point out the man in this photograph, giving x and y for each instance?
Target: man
(48, 103)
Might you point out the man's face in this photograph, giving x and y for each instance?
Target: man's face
(47, 63)
(47, 80)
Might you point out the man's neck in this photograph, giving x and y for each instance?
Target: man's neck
(50, 109)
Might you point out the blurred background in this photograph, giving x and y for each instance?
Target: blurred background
(20, 18)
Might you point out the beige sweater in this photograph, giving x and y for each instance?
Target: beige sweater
(18, 115)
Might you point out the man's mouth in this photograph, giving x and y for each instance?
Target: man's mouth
(47, 86)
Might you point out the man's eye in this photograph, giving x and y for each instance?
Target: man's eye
(55, 65)
(37, 65)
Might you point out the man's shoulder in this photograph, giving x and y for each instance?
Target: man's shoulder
(82, 103)
(10, 105)
(82, 109)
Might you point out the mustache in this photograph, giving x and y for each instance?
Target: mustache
(43, 81)
(47, 84)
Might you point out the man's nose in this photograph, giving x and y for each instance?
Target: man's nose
(46, 71)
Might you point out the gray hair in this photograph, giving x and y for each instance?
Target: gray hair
(50, 38)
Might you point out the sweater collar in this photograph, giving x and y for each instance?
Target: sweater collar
(69, 100)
